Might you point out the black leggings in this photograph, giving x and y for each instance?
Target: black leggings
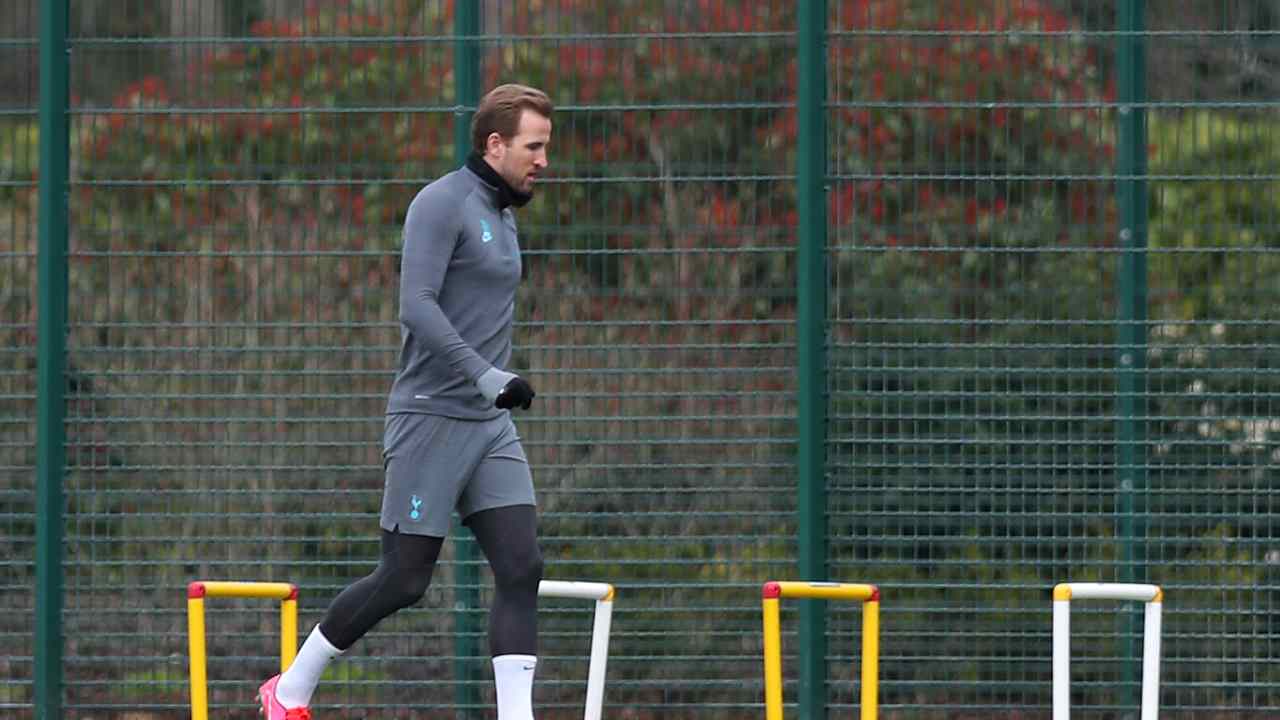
(508, 538)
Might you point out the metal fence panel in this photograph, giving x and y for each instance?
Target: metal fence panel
(979, 351)
(19, 153)
(237, 205)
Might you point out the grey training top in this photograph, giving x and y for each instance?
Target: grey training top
(458, 275)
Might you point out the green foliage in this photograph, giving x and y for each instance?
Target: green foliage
(1212, 261)
(144, 686)
(19, 156)
(955, 162)
(355, 672)
(14, 693)
(1214, 242)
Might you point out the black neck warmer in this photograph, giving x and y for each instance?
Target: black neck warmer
(506, 195)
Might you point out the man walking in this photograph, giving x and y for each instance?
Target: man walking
(449, 442)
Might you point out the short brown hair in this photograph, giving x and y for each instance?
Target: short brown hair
(500, 111)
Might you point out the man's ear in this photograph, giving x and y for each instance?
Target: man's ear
(494, 145)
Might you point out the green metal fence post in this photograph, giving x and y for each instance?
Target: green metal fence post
(51, 349)
(811, 173)
(466, 79)
(1132, 307)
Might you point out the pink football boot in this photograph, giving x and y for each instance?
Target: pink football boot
(271, 707)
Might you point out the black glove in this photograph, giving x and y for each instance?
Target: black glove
(517, 393)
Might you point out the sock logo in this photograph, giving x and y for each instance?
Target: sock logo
(415, 502)
(485, 235)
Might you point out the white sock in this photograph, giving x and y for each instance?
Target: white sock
(299, 681)
(513, 679)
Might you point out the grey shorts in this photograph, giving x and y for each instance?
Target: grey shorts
(436, 464)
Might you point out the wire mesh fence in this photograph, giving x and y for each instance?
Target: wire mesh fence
(19, 144)
(239, 176)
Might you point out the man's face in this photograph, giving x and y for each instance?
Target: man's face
(522, 158)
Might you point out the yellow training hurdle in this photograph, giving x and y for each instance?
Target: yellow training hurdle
(869, 595)
(197, 591)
